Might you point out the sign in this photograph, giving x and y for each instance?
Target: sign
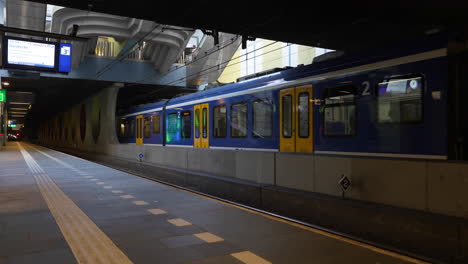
(344, 183)
(141, 156)
(31, 53)
(65, 58)
(2, 96)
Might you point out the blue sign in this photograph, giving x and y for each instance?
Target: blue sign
(141, 155)
(65, 57)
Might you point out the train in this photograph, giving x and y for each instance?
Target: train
(391, 104)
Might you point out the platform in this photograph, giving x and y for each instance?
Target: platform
(56, 208)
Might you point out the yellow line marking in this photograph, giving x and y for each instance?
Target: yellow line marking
(99, 183)
(117, 191)
(209, 237)
(127, 196)
(87, 242)
(179, 222)
(156, 211)
(140, 202)
(107, 187)
(249, 258)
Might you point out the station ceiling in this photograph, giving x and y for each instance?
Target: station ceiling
(341, 25)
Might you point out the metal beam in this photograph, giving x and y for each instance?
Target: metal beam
(40, 33)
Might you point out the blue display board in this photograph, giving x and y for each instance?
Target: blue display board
(65, 57)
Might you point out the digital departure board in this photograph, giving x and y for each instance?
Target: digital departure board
(36, 55)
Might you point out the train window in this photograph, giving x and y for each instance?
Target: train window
(186, 124)
(262, 119)
(340, 111)
(239, 120)
(303, 115)
(204, 123)
(147, 127)
(172, 123)
(132, 128)
(156, 124)
(197, 123)
(219, 121)
(400, 100)
(287, 116)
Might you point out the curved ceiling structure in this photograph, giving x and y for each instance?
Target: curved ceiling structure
(164, 45)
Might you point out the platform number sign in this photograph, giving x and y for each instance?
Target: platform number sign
(2, 96)
(345, 183)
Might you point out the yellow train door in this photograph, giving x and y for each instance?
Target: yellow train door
(201, 126)
(296, 130)
(139, 130)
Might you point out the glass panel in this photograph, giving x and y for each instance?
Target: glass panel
(156, 124)
(219, 121)
(340, 120)
(186, 125)
(205, 123)
(239, 120)
(197, 123)
(172, 123)
(340, 111)
(147, 128)
(287, 116)
(400, 101)
(262, 119)
(303, 115)
(132, 128)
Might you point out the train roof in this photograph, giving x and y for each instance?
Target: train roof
(410, 47)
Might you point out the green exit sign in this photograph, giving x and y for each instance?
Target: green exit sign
(2, 96)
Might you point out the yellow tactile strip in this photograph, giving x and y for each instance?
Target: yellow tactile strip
(87, 242)
(249, 258)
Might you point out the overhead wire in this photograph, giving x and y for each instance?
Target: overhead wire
(150, 76)
(166, 85)
(227, 61)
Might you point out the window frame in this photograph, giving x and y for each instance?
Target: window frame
(154, 117)
(182, 127)
(225, 117)
(246, 120)
(271, 118)
(299, 115)
(422, 98)
(291, 116)
(355, 103)
(147, 118)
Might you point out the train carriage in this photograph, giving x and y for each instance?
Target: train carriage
(392, 105)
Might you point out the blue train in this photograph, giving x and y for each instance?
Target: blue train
(392, 104)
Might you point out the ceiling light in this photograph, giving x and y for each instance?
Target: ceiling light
(5, 83)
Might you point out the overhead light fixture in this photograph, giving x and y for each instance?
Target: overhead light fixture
(5, 83)
(21, 109)
(18, 103)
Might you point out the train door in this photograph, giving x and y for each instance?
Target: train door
(201, 126)
(296, 133)
(139, 130)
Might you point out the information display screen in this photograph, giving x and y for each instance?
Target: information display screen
(28, 53)
(37, 55)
